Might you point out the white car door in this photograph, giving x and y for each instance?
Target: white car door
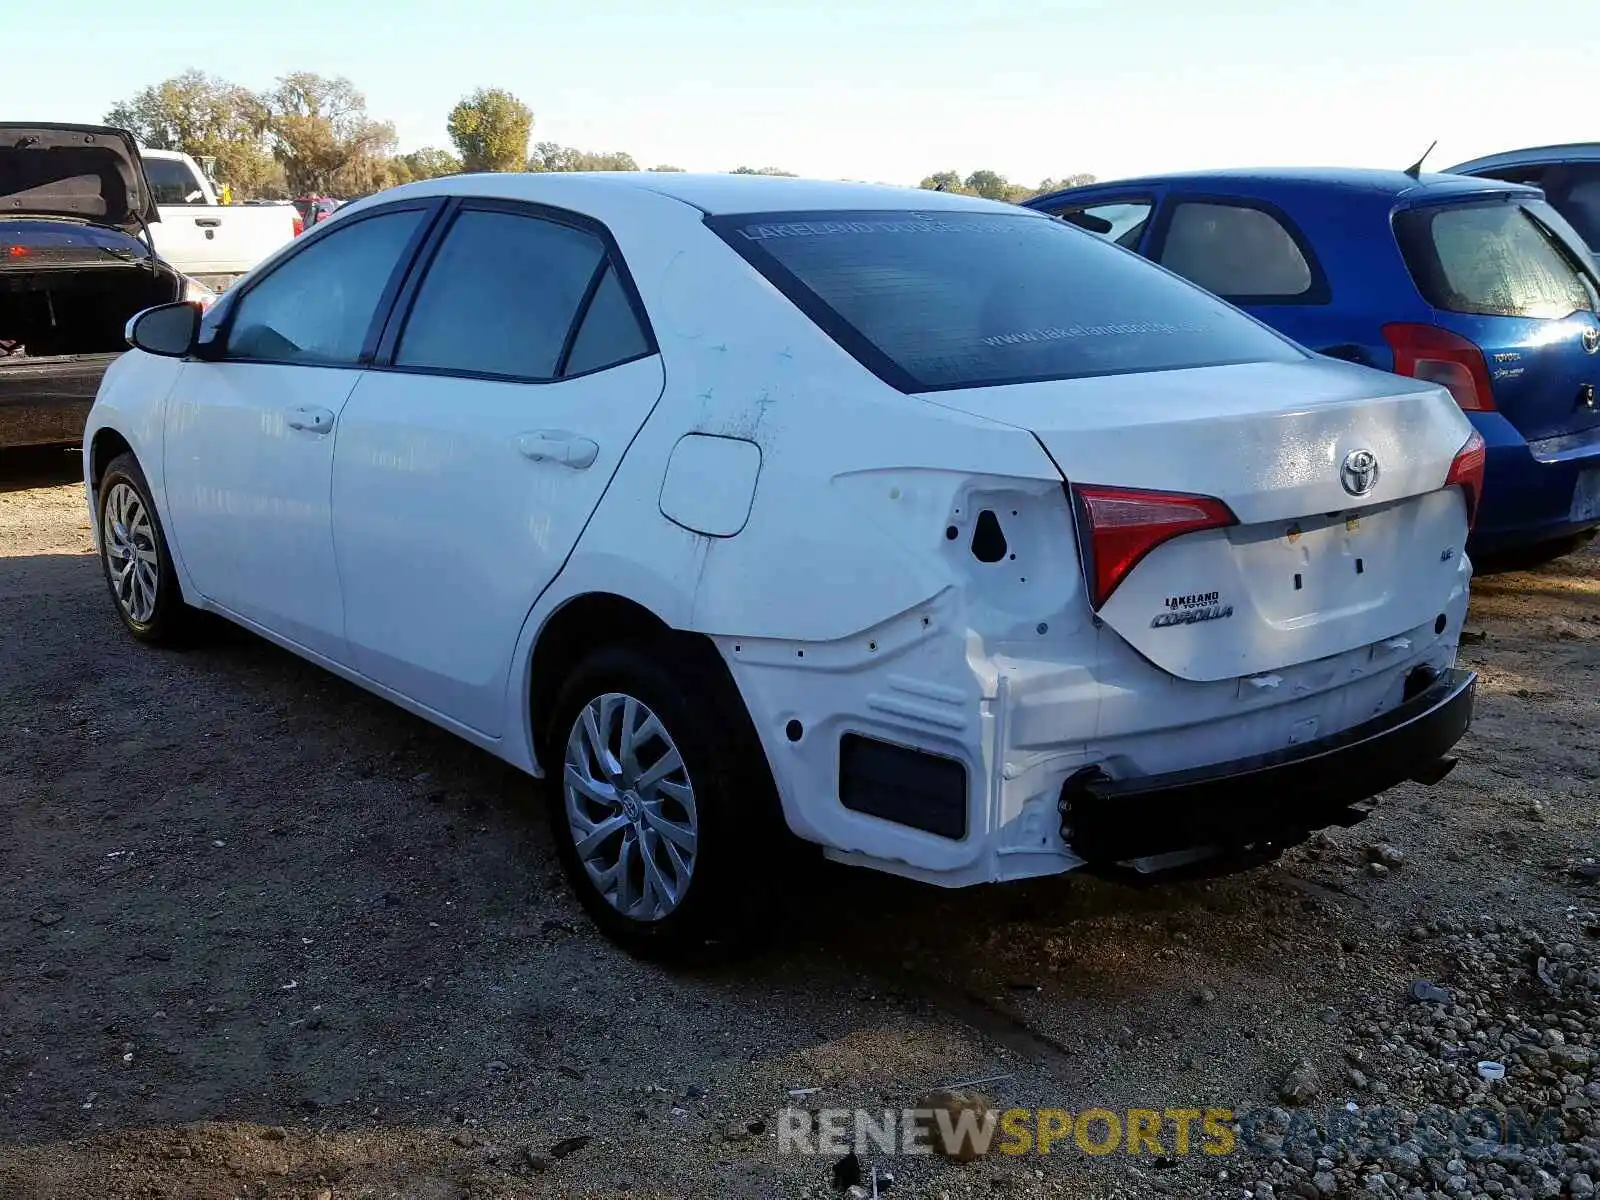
(471, 456)
(250, 427)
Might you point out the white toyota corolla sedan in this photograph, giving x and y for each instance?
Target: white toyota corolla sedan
(932, 531)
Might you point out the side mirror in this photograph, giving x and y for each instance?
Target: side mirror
(167, 329)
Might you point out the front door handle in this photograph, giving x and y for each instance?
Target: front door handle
(310, 418)
(558, 446)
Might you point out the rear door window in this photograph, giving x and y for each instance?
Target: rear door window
(969, 298)
(1242, 252)
(610, 332)
(1494, 259)
(517, 296)
(500, 297)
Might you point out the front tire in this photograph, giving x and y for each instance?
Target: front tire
(661, 804)
(135, 559)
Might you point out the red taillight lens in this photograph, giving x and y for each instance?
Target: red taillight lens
(299, 225)
(1439, 356)
(1119, 526)
(1466, 473)
(16, 251)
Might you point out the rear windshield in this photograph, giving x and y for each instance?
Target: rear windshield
(1495, 259)
(938, 300)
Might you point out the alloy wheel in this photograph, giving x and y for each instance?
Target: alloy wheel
(630, 807)
(129, 542)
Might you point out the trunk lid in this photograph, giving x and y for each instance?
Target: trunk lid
(1310, 570)
(85, 172)
(1508, 274)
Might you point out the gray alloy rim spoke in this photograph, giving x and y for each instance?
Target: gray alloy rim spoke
(630, 807)
(128, 542)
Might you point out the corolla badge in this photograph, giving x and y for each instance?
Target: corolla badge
(1591, 340)
(1359, 472)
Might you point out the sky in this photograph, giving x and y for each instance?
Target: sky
(878, 89)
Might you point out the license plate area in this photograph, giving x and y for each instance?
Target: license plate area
(1303, 569)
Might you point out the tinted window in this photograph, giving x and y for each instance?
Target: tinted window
(610, 332)
(319, 304)
(1492, 259)
(500, 296)
(1122, 221)
(1533, 174)
(1575, 190)
(172, 182)
(970, 299)
(1235, 251)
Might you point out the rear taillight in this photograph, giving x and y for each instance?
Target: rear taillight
(1117, 527)
(16, 251)
(1439, 356)
(299, 225)
(1466, 473)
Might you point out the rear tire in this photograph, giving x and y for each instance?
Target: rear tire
(135, 559)
(661, 803)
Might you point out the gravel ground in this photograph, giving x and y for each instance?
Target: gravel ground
(263, 935)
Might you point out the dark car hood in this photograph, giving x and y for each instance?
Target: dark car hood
(89, 172)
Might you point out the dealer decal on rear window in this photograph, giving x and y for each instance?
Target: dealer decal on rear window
(1191, 610)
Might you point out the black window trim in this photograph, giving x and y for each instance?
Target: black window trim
(1319, 292)
(404, 304)
(859, 347)
(215, 349)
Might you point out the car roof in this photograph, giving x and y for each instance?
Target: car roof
(711, 194)
(1570, 152)
(1243, 180)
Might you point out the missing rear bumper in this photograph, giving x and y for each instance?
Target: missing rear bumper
(1271, 800)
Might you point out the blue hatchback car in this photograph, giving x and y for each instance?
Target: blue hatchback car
(1476, 284)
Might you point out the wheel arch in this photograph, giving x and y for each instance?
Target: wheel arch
(589, 620)
(580, 625)
(106, 445)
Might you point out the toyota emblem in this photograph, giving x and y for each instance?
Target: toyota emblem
(1591, 340)
(1359, 474)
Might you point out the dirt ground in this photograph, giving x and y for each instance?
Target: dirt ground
(262, 934)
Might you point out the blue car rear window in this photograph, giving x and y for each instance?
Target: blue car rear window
(938, 300)
(1495, 258)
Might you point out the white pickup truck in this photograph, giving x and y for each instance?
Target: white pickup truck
(214, 243)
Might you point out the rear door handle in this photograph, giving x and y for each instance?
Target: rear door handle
(208, 222)
(558, 446)
(310, 418)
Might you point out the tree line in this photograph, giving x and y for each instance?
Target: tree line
(312, 135)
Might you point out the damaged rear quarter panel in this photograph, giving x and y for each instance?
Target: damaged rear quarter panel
(843, 602)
